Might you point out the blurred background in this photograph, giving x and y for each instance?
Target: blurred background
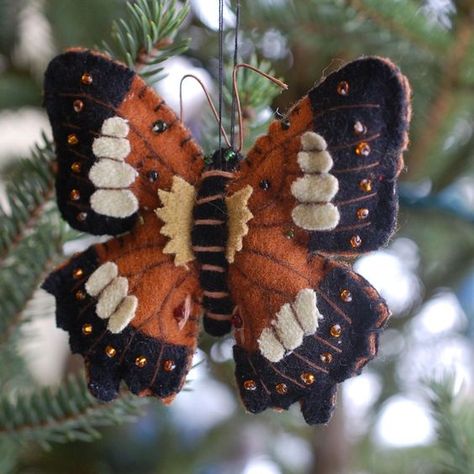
(411, 409)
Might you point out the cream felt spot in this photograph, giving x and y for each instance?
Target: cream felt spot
(287, 328)
(315, 188)
(307, 311)
(112, 174)
(101, 278)
(316, 216)
(114, 203)
(315, 161)
(311, 141)
(111, 147)
(239, 214)
(177, 215)
(111, 297)
(122, 316)
(270, 346)
(115, 127)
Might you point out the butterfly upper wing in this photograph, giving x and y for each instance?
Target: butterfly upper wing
(327, 175)
(117, 142)
(131, 312)
(308, 322)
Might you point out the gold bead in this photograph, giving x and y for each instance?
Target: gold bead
(356, 241)
(346, 295)
(82, 216)
(87, 329)
(169, 365)
(281, 388)
(77, 273)
(72, 139)
(343, 88)
(86, 79)
(80, 295)
(362, 213)
(110, 351)
(360, 128)
(335, 330)
(141, 361)
(362, 149)
(78, 105)
(366, 185)
(76, 167)
(250, 385)
(75, 195)
(308, 378)
(326, 357)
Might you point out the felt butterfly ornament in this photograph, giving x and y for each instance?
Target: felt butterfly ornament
(248, 245)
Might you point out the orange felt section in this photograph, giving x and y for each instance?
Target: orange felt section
(160, 286)
(168, 151)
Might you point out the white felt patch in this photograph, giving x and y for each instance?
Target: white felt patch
(122, 316)
(111, 147)
(114, 203)
(112, 174)
(306, 310)
(288, 330)
(311, 141)
(111, 297)
(115, 127)
(101, 278)
(315, 188)
(270, 346)
(316, 216)
(315, 161)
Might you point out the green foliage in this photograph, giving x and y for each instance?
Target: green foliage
(455, 428)
(66, 414)
(145, 37)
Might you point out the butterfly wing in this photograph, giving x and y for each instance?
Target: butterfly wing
(131, 312)
(327, 175)
(305, 324)
(117, 142)
(322, 181)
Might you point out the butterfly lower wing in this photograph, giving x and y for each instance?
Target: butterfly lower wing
(116, 141)
(130, 312)
(305, 325)
(328, 174)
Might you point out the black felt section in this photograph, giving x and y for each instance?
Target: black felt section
(62, 86)
(104, 372)
(366, 315)
(378, 98)
(216, 328)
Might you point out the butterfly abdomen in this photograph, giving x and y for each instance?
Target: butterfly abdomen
(209, 239)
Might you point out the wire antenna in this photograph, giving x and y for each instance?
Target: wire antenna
(209, 100)
(237, 98)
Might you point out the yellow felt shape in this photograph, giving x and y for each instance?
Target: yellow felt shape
(315, 161)
(111, 147)
(270, 346)
(112, 174)
(239, 214)
(316, 216)
(311, 141)
(101, 278)
(122, 316)
(315, 188)
(114, 202)
(177, 215)
(111, 297)
(307, 311)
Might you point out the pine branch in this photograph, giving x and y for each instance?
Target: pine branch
(455, 428)
(30, 187)
(444, 98)
(145, 38)
(402, 19)
(66, 414)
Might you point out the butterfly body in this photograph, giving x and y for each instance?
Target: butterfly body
(248, 243)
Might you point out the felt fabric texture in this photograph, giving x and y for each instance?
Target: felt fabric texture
(378, 98)
(111, 297)
(177, 216)
(316, 216)
(87, 95)
(315, 188)
(315, 162)
(116, 203)
(110, 174)
(238, 216)
(137, 351)
(311, 372)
